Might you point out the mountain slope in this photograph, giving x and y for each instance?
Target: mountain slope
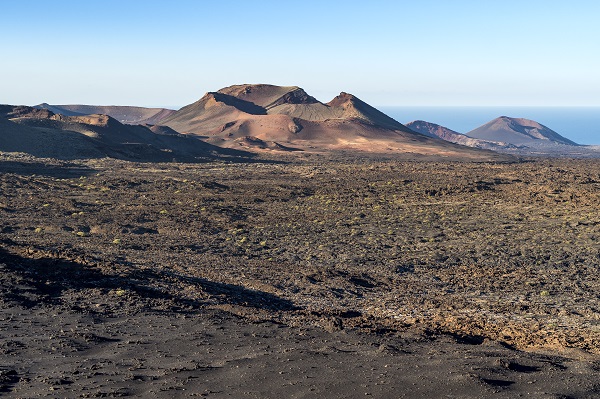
(44, 134)
(210, 112)
(47, 142)
(22, 111)
(435, 130)
(518, 131)
(124, 114)
(268, 96)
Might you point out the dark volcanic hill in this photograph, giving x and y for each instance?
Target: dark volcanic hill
(124, 114)
(45, 134)
(435, 130)
(286, 117)
(47, 142)
(518, 131)
(23, 111)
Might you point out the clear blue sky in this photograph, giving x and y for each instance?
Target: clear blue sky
(426, 52)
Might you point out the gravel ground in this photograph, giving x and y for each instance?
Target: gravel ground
(465, 279)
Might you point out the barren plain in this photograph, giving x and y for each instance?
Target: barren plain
(307, 276)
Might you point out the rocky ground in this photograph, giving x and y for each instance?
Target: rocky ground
(317, 275)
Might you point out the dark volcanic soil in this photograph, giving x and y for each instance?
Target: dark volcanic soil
(311, 278)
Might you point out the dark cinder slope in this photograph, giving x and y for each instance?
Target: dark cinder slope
(518, 131)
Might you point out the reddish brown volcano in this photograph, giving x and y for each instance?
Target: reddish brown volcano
(277, 117)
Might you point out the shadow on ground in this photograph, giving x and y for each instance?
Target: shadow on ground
(32, 281)
(39, 168)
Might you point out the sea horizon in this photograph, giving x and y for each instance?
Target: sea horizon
(580, 124)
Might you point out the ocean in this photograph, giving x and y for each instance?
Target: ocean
(579, 124)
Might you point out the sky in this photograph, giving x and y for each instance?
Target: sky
(394, 53)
